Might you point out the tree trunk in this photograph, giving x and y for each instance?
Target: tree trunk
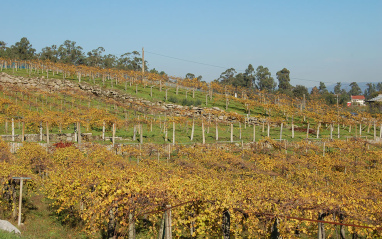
(275, 234)
(131, 226)
(321, 227)
(226, 224)
(111, 233)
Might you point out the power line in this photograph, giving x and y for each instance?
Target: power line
(222, 67)
(200, 63)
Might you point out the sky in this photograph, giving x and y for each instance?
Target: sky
(328, 41)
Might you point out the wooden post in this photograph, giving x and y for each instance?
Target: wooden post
(40, 131)
(318, 130)
(375, 132)
(141, 134)
(360, 130)
(20, 201)
(240, 130)
(338, 130)
(307, 131)
(231, 132)
(268, 130)
(173, 133)
(217, 130)
(103, 131)
(281, 131)
(203, 133)
(292, 130)
(206, 100)
(13, 130)
(6, 127)
(166, 94)
(323, 150)
(331, 130)
(192, 129)
(47, 133)
(168, 231)
(113, 137)
(79, 133)
(23, 132)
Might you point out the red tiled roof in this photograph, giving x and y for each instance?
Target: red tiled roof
(357, 97)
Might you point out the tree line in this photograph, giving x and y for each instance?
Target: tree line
(261, 79)
(70, 53)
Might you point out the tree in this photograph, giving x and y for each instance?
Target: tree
(49, 53)
(264, 79)
(70, 53)
(23, 50)
(95, 57)
(249, 76)
(337, 88)
(370, 91)
(190, 76)
(284, 80)
(109, 61)
(379, 86)
(299, 91)
(314, 91)
(3, 49)
(228, 76)
(131, 61)
(355, 90)
(322, 88)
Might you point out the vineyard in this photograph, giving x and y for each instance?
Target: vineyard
(124, 154)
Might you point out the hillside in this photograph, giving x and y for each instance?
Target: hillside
(115, 154)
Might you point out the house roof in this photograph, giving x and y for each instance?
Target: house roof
(357, 97)
(378, 98)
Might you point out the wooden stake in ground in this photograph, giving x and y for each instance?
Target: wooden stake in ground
(217, 130)
(307, 131)
(318, 130)
(21, 195)
(13, 130)
(203, 133)
(79, 133)
(281, 131)
(23, 132)
(47, 133)
(113, 139)
(141, 134)
(254, 132)
(192, 129)
(103, 131)
(231, 132)
(173, 132)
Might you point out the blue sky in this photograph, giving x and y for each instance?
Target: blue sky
(327, 41)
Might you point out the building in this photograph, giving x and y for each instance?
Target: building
(358, 100)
